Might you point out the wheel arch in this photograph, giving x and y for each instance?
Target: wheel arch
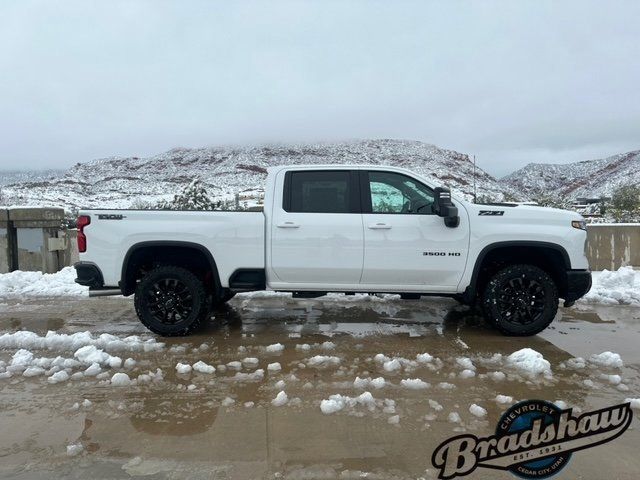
(551, 257)
(166, 252)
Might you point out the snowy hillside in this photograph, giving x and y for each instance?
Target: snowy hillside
(591, 178)
(8, 177)
(119, 182)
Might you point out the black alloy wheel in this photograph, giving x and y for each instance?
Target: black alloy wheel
(171, 301)
(520, 300)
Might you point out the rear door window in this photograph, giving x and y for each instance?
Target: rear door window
(319, 192)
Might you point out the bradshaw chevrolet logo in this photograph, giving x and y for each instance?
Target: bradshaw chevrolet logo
(534, 439)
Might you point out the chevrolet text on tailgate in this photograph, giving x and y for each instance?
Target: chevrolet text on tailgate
(339, 228)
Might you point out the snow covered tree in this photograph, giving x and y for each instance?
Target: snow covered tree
(193, 197)
(554, 201)
(625, 204)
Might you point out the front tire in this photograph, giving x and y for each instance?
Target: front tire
(171, 301)
(520, 300)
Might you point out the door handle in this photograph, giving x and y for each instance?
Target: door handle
(379, 226)
(288, 225)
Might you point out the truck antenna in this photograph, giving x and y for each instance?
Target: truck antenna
(475, 198)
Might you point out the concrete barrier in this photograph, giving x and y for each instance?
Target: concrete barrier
(6, 251)
(70, 254)
(31, 239)
(613, 245)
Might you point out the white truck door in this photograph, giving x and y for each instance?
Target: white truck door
(316, 230)
(406, 244)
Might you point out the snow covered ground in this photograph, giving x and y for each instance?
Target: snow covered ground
(621, 287)
(37, 284)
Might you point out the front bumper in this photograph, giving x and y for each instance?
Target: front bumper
(89, 275)
(578, 284)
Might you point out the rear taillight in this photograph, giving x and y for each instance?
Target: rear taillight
(83, 221)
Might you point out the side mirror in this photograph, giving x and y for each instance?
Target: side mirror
(444, 207)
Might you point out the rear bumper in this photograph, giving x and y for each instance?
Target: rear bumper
(578, 284)
(89, 275)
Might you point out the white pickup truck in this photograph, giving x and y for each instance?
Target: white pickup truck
(339, 228)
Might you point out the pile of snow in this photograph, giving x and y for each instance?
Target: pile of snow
(394, 420)
(446, 386)
(89, 359)
(577, 363)
(477, 411)
(496, 376)
(250, 362)
(37, 284)
(256, 376)
(424, 358)
(338, 402)
(465, 363)
(203, 367)
(274, 348)
(392, 365)
(503, 398)
(397, 363)
(58, 377)
(635, 402)
(90, 354)
(72, 342)
(75, 449)
(183, 368)
(620, 287)
(120, 380)
(414, 384)
(274, 367)
(378, 382)
(607, 359)
(469, 369)
(280, 400)
(454, 417)
(323, 361)
(529, 362)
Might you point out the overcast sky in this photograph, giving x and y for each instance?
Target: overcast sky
(512, 82)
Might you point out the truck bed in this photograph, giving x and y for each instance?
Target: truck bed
(235, 239)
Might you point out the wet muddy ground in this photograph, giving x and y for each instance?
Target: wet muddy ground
(224, 425)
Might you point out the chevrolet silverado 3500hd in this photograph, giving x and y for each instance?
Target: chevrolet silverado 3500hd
(337, 228)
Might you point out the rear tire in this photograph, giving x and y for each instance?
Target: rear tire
(171, 301)
(520, 300)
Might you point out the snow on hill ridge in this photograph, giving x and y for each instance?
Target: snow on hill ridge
(118, 182)
(8, 177)
(590, 178)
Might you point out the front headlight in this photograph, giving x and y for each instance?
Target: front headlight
(579, 224)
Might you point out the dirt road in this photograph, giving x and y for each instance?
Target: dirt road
(225, 424)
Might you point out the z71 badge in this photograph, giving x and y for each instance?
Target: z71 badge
(487, 213)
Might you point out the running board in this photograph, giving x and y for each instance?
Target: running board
(308, 294)
(105, 292)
